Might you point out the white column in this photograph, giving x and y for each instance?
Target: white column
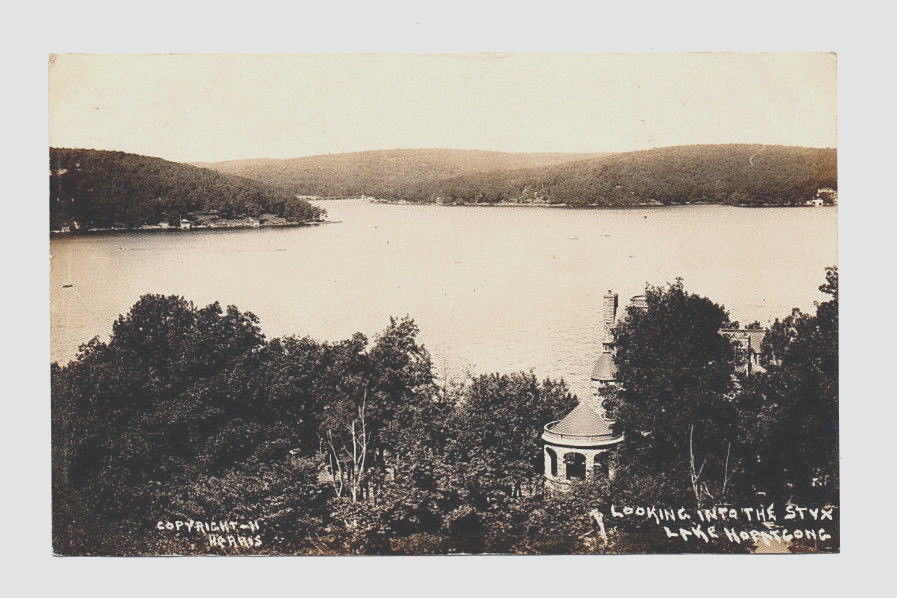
(590, 463)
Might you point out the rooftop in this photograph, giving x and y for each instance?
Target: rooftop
(584, 426)
(604, 369)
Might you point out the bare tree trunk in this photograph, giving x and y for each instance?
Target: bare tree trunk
(353, 475)
(337, 473)
(726, 469)
(359, 448)
(354, 481)
(695, 476)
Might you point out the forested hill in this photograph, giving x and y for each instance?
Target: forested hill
(114, 189)
(388, 174)
(728, 174)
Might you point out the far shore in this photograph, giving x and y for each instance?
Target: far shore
(193, 228)
(396, 202)
(243, 224)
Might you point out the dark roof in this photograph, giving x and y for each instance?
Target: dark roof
(605, 369)
(584, 420)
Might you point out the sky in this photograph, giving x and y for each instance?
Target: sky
(198, 108)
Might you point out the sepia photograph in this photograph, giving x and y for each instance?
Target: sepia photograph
(339, 304)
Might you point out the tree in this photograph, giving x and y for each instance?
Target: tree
(189, 411)
(409, 410)
(378, 406)
(145, 409)
(789, 413)
(499, 423)
(283, 497)
(676, 381)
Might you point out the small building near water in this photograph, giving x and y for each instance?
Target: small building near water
(827, 196)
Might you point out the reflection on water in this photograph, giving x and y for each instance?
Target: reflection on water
(492, 289)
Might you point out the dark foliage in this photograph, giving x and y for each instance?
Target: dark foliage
(351, 447)
(188, 413)
(720, 174)
(388, 174)
(700, 433)
(675, 375)
(790, 412)
(113, 189)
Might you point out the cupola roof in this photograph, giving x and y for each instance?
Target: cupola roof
(604, 370)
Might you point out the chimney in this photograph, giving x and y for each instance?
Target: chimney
(610, 316)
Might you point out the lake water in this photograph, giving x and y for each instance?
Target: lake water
(492, 289)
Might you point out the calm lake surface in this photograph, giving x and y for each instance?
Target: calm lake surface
(492, 289)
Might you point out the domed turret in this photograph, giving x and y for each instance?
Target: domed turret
(579, 445)
(604, 372)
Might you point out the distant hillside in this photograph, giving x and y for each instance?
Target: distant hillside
(105, 189)
(384, 173)
(729, 174)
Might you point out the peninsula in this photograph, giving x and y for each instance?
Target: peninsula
(92, 190)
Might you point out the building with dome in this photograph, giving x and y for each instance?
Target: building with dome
(579, 445)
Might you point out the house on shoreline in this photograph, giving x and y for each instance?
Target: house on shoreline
(828, 196)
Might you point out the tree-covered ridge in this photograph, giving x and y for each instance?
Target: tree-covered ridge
(728, 174)
(354, 447)
(723, 174)
(104, 189)
(388, 174)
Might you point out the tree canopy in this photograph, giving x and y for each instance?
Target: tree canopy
(190, 412)
(105, 189)
(790, 412)
(354, 446)
(675, 373)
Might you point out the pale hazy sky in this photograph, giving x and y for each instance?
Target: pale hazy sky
(220, 107)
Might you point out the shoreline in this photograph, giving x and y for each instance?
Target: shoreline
(158, 229)
(639, 206)
(392, 202)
